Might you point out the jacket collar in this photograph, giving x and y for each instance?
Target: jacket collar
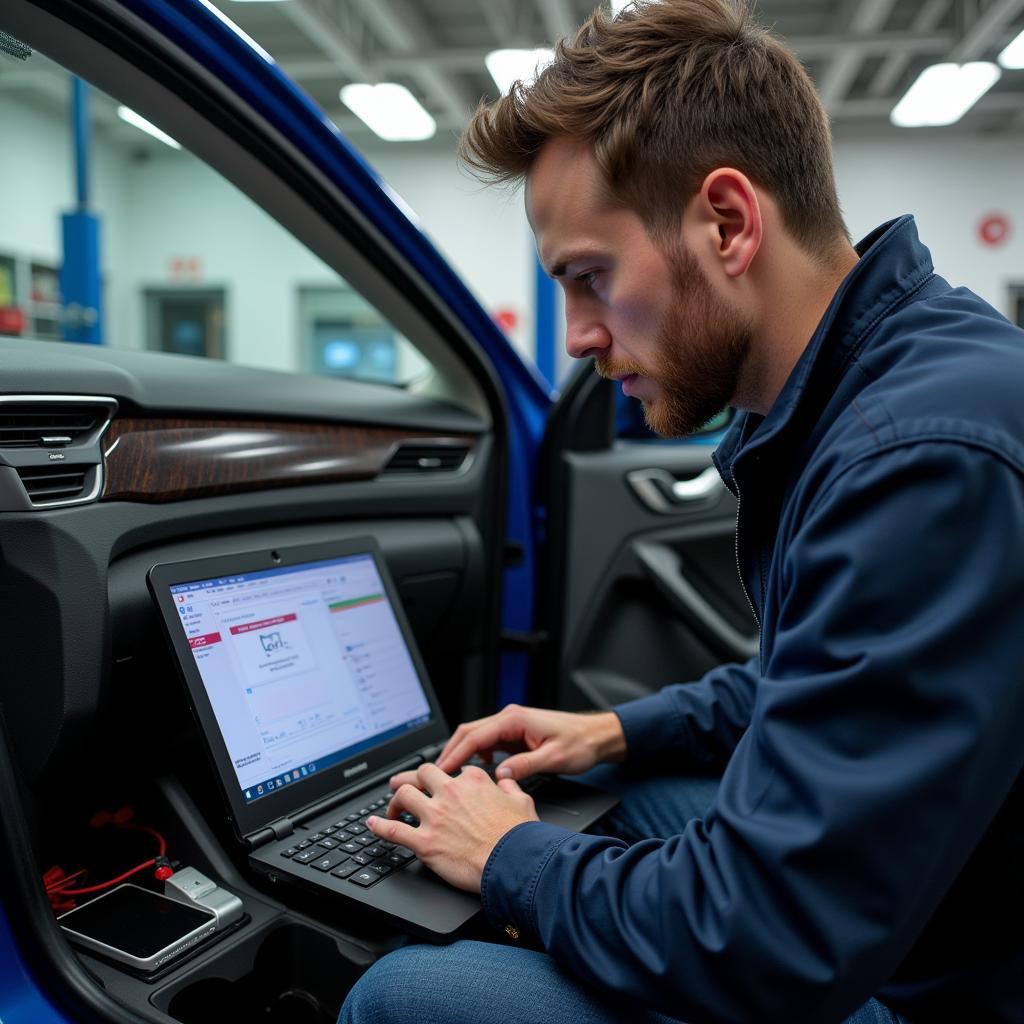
(893, 263)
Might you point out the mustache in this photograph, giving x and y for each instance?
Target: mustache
(610, 370)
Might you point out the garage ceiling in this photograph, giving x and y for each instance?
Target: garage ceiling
(862, 54)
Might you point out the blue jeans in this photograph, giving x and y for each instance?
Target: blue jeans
(487, 983)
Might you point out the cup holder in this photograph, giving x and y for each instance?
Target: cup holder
(297, 1006)
(297, 976)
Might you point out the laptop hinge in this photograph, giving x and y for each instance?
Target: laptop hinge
(275, 830)
(286, 826)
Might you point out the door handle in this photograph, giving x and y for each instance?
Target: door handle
(661, 492)
(663, 567)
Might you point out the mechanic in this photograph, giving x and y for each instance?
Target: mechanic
(863, 852)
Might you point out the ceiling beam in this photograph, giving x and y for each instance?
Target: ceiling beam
(308, 69)
(868, 44)
(1015, 123)
(890, 72)
(404, 32)
(843, 69)
(558, 19)
(986, 30)
(322, 31)
(857, 110)
(472, 58)
(850, 112)
(499, 19)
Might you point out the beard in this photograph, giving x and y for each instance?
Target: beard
(701, 347)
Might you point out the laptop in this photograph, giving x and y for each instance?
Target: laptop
(310, 693)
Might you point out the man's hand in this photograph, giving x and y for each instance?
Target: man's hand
(552, 741)
(461, 820)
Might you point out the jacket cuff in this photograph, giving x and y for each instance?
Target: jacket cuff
(512, 871)
(651, 726)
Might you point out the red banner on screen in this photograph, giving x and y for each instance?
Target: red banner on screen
(204, 641)
(248, 627)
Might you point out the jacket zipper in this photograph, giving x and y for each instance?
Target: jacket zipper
(739, 568)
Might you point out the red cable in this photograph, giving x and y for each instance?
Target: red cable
(151, 831)
(103, 885)
(56, 887)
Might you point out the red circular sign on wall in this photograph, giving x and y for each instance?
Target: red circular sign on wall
(994, 229)
(506, 319)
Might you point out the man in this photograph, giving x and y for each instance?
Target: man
(866, 836)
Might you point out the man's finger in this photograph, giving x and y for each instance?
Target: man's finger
(488, 736)
(431, 777)
(456, 754)
(393, 831)
(410, 799)
(457, 736)
(509, 786)
(518, 766)
(409, 778)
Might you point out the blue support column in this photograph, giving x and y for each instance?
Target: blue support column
(80, 286)
(544, 330)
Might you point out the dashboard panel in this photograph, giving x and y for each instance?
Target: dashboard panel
(157, 460)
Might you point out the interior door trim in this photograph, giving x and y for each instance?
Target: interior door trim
(664, 569)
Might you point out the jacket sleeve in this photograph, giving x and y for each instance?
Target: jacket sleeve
(884, 737)
(700, 723)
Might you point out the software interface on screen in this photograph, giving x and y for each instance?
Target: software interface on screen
(304, 667)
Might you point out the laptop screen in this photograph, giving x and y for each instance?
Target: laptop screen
(304, 666)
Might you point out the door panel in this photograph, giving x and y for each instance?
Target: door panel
(640, 587)
(677, 579)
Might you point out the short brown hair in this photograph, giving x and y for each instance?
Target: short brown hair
(666, 92)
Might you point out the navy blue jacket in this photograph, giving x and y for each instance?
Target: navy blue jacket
(868, 835)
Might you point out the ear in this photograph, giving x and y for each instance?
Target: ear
(728, 203)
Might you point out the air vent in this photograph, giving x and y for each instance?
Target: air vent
(427, 458)
(50, 449)
(38, 426)
(53, 483)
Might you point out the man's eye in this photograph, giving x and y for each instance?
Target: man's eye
(587, 278)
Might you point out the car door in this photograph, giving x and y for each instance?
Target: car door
(638, 586)
(113, 458)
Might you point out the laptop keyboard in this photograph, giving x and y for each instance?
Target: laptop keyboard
(346, 848)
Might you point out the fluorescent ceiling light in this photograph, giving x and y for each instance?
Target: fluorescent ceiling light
(1013, 55)
(508, 66)
(390, 110)
(129, 115)
(943, 93)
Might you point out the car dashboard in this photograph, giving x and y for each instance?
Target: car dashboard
(129, 463)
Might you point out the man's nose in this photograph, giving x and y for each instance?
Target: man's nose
(584, 335)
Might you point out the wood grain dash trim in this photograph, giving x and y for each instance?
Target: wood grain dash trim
(160, 460)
